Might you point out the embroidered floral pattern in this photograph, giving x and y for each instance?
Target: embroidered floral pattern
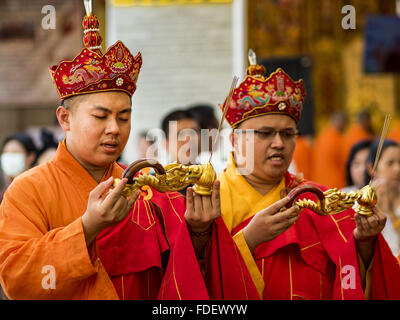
(258, 95)
(92, 72)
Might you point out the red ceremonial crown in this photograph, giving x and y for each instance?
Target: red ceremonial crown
(91, 71)
(258, 95)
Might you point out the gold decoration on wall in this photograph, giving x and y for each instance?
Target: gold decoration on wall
(291, 28)
(374, 92)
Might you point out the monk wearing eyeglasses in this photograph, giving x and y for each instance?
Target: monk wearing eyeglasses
(293, 253)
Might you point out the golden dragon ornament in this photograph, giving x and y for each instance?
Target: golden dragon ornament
(175, 177)
(172, 177)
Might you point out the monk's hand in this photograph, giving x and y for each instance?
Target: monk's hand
(366, 231)
(104, 212)
(201, 211)
(368, 227)
(269, 223)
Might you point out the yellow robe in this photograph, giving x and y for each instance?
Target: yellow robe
(43, 253)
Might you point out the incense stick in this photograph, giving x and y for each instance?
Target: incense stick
(385, 129)
(224, 109)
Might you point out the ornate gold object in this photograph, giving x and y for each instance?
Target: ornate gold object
(334, 201)
(172, 177)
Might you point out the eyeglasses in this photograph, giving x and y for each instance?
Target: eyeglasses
(270, 133)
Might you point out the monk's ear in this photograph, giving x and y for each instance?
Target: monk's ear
(64, 118)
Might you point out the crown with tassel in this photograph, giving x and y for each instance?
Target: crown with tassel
(91, 71)
(258, 95)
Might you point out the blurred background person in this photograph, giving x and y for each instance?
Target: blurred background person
(48, 149)
(359, 130)
(303, 157)
(208, 122)
(147, 149)
(144, 143)
(182, 137)
(329, 160)
(18, 154)
(394, 132)
(356, 165)
(386, 181)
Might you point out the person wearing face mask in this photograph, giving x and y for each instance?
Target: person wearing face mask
(18, 155)
(386, 181)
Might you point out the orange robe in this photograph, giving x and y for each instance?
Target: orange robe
(40, 225)
(314, 259)
(355, 133)
(394, 134)
(148, 255)
(329, 160)
(303, 156)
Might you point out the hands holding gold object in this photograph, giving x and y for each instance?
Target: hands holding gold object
(334, 201)
(175, 177)
(172, 177)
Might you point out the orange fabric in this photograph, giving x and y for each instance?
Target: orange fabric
(329, 161)
(40, 225)
(394, 134)
(355, 133)
(302, 156)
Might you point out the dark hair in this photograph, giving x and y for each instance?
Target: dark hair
(24, 139)
(176, 115)
(147, 135)
(363, 144)
(142, 134)
(373, 151)
(48, 142)
(204, 114)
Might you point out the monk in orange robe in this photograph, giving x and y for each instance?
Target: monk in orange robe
(65, 235)
(361, 130)
(394, 133)
(329, 163)
(294, 253)
(303, 156)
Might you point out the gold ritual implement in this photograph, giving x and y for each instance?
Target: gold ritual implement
(175, 177)
(334, 201)
(172, 177)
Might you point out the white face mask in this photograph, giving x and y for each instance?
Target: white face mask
(13, 164)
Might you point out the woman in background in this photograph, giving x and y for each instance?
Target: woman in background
(48, 149)
(356, 165)
(18, 154)
(386, 181)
